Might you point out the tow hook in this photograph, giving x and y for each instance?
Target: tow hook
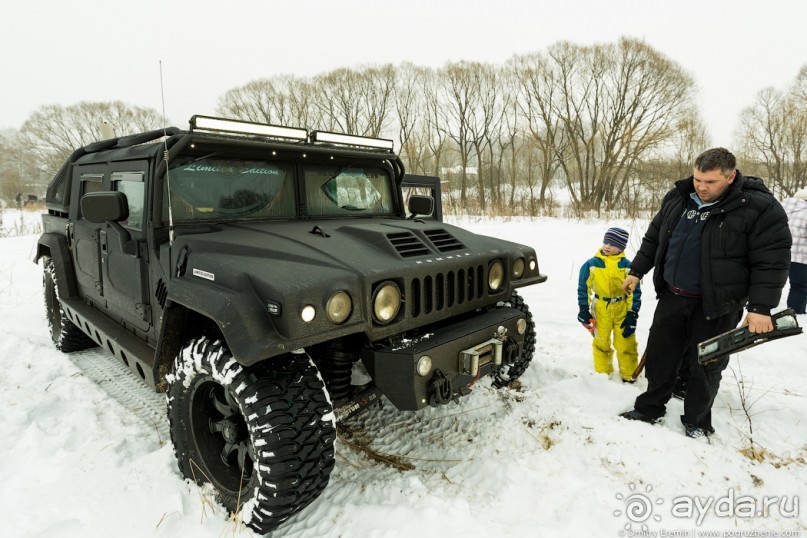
(440, 391)
(511, 351)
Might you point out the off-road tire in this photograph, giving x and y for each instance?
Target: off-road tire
(273, 422)
(505, 374)
(66, 335)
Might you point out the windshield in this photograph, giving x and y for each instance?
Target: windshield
(347, 191)
(207, 188)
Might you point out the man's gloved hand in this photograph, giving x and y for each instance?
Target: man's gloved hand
(629, 323)
(584, 316)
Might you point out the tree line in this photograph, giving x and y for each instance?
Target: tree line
(587, 129)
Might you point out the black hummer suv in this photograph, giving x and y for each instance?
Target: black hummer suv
(249, 270)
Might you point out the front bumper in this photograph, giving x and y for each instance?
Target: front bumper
(460, 354)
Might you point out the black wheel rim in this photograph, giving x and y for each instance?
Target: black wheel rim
(221, 437)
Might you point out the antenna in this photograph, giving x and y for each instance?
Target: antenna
(167, 178)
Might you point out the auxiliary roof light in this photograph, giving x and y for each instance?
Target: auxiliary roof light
(351, 140)
(207, 123)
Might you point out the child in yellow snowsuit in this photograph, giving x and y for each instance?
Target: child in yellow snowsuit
(604, 308)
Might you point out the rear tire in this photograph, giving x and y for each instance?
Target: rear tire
(505, 374)
(66, 336)
(263, 436)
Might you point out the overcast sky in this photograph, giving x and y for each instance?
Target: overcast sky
(63, 52)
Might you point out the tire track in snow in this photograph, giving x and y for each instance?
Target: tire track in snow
(122, 385)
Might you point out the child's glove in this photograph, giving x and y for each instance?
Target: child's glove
(629, 323)
(584, 316)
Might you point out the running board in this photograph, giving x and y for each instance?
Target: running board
(735, 340)
(134, 352)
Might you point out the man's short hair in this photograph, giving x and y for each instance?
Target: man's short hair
(716, 159)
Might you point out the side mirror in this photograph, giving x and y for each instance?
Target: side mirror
(420, 205)
(99, 207)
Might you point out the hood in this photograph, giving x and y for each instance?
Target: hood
(254, 279)
(363, 247)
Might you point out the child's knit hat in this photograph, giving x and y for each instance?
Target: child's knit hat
(616, 237)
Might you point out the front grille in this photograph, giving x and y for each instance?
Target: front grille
(444, 241)
(434, 293)
(407, 244)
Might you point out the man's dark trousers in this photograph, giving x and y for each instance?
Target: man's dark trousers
(679, 322)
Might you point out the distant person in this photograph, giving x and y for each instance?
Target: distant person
(796, 209)
(18, 199)
(719, 243)
(605, 309)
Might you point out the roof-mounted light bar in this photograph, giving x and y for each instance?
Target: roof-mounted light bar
(351, 140)
(207, 123)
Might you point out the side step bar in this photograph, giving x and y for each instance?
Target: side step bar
(127, 347)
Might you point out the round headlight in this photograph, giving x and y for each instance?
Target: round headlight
(308, 313)
(495, 275)
(386, 302)
(533, 265)
(338, 307)
(518, 268)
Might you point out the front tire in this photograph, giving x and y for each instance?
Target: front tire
(263, 436)
(66, 336)
(505, 374)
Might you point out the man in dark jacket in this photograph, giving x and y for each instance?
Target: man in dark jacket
(719, 243)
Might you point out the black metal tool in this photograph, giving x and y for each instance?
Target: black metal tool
(735, 340)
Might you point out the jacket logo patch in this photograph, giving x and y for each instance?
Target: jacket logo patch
(691, 214)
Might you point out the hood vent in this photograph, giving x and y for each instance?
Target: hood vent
(407, 244)
(444, 241)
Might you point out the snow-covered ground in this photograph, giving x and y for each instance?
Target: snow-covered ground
(84, 447)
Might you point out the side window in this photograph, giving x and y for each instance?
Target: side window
(409, 190)
(131, 184)
(91, 183)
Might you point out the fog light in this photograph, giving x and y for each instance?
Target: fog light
(424, 366)
(532, 265)
(521, 326)
(308, 313)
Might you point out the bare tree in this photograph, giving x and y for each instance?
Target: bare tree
(412, 116)
(14, 175)
(284, 100)
(616, 103)
(52, 132)
(458, 100)
(773, 131)
(538, 101)
(356, 101)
